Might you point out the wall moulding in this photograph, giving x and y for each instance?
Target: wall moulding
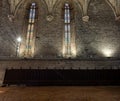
(51, 5)
(115, 5)
(84, 4)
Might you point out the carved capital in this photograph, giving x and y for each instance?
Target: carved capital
(85, 18)
(11, 17)
(49, 18)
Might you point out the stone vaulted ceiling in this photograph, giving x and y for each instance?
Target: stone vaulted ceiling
(83, 4)
(51, 4)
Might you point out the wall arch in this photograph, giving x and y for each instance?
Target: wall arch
(79, 5)
(117, 16)
(83, 5)
(24, 2)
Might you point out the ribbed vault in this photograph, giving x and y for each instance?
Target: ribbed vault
(83, 4)
(115, 5)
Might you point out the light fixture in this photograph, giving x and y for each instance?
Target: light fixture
(18, 46)
(19, 39)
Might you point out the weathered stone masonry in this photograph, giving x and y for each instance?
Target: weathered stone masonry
(101, 33)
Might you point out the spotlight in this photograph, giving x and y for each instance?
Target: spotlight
(19, 39)
(107, 52)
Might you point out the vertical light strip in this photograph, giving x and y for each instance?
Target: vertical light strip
(67, 37)
(30, 30)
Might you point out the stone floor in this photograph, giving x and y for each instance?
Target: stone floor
(77, 93)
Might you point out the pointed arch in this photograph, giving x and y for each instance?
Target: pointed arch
(84, 5)
(17, 6)
(110, 5)
(79, 5)
(50, 4)
(71, 8)
(20, 3)
(56, 4)
(29, 30)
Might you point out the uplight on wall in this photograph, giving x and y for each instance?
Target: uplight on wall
(73, 51)
(19, 39)
(108, 52)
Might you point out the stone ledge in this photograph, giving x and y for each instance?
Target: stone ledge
(59, 64)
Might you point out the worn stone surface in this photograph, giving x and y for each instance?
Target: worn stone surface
(101, 31)
(59, 64)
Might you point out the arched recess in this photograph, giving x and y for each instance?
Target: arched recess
(51, 5)
(115, 6)
(72, 9)
(13, 12)
(69, 44)
(14, 6)
(79, 5)
(102, 17)
(29, 32)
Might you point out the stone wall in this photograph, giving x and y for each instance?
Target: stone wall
(101, 34)
(59, 64)
(0, 3)
(7, 33)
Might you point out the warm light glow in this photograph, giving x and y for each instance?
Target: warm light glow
(106, 49)
(19, 39)
(108, 52)
(63, 50)
(74, 53)
(2, 91)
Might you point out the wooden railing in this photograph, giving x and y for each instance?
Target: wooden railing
(62, 77)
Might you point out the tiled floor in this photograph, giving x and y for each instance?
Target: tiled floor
(78, 93)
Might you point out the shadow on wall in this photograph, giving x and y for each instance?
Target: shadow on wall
(48, 51)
